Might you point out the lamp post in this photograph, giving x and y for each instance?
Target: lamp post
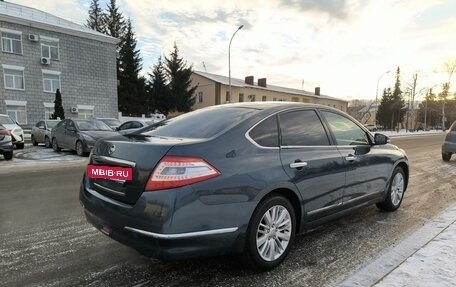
(229, 60)
(376, 95)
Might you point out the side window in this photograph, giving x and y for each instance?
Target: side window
(345, 130)
(125, 126)
(302, 128)
(136, 125)
(266, 133)
(70, 124)
(41, 125)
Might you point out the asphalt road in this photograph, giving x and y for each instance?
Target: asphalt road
(45, 240)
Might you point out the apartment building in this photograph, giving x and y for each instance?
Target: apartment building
(214, 90)
(41, 53)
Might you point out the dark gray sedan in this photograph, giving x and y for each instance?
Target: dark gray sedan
(79, 134)
(449, 143)
(242, 178)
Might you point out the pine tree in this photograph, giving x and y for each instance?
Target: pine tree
(59, 113)
(114, 26)
(96, 17)
(384, 114)
(131, 92)
(179, 76)
(158, 91)
(397, 104)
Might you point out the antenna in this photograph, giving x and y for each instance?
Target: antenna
(302, 85)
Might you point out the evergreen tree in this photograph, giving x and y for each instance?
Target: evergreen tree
(384, 113)
(131, 92)
(96, 17)
(58, 107)
(397, 105)
(179, 76)
(158, 91)
(114, 26)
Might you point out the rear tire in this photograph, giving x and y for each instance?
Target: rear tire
(34, 142)
(55, 146)
(270, 233)
(8, 155)
(446, 156)
(395, 193)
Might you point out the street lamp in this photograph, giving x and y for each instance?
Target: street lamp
(229, 60)
(376, 96)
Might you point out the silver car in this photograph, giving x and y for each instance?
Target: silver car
(41, 132)
(449, 143)
(16, 131)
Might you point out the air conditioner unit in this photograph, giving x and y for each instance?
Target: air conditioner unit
(33, 37)
(45, 61)
(74, 110)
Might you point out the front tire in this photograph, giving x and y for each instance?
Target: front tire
(79, 148)
(446, 156)
(395, 191)
(47, 142)
(34, 142)
(270, 234)
(55, 146)
(8, 155)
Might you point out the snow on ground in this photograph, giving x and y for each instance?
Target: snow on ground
(433, 265)
(403, 132)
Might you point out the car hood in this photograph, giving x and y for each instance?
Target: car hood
(100, 134)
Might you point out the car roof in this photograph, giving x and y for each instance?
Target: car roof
(271, 106)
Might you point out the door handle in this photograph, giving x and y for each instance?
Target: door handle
(299, 164)
(350, 157)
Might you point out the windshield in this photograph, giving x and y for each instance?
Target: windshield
(91, 125)
(6, 120)
(200, 124)
(112, 122)
(51, 124)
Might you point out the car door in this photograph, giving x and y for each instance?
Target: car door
(71, 135)
(367, 168)
(312, 163)
(59, 132)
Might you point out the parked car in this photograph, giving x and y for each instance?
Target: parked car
(131, 126)
(372, 127)
(111, 122)
(449, 143)
(6, 143)
(79, 134)
(41, 132)
(241, 178)
(16, 131)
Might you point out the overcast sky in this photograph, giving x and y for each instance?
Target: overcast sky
(343, 46)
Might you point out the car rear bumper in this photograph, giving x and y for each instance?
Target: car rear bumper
(151, 227)
(448, 147)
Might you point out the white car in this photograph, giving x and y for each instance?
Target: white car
(41, 132)
(16, 131)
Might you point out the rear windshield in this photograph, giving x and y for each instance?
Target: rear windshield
(112, 122)
(200, 124)
(52, 124)
(92, 125)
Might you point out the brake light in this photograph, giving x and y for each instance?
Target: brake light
(5, 132)
(177, 171)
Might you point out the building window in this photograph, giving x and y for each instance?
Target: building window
(264, 98)
(14, 77)
(85, 111)
(252, 98)
(17, 111)
(11, 41)
(48, 110)
(227, 97)
(51, 81)
(200, 97)
(49, 48)
(241, 97)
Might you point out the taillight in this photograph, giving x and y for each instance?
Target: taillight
(5, 132)
(177, 171)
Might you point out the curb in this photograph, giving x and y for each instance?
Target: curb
(393, 256)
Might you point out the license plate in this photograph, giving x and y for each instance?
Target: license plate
(109, 172)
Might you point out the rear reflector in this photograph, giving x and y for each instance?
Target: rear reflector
(177, 171)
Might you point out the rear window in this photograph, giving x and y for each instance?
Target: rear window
(6, 120)
(200, 124)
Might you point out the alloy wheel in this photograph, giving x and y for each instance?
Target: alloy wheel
(397, 189)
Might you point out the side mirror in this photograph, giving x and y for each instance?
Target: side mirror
(381, 139)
